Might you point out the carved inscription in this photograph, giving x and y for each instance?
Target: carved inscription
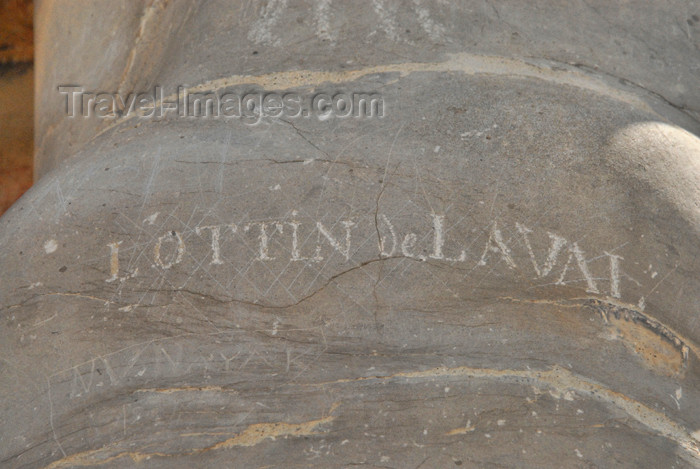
(286, 240)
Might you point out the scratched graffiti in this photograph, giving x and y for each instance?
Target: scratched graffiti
(385, 22)
(565, 262)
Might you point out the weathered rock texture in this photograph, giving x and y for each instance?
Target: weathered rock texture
(502, 270)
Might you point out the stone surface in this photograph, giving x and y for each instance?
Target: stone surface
(501, 271)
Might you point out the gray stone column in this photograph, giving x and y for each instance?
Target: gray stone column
(374, 233)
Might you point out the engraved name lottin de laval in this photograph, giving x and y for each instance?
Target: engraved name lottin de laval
(303, 241)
